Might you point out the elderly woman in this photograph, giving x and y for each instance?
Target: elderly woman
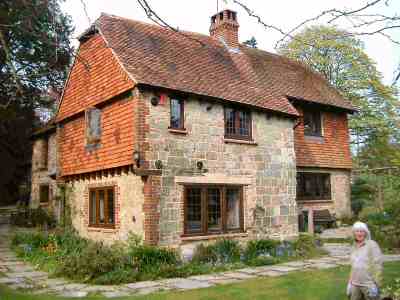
(366, 265)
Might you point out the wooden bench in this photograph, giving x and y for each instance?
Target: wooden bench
(324, 217)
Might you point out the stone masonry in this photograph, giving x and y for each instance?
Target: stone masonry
(129, 201)
(44, 161)
(268, 164)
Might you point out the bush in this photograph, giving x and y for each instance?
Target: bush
(148, 257)
(93, 261)
(392, 291)
(221, 252)
(307, 245)
(257, 248)
(27, 217)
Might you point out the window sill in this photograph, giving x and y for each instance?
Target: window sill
(177, 131)
(101, 229)
(313, 201)
(189, 238)
(237, 141)
(315, 138)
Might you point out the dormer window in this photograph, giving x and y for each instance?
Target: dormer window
(237, 123)
(312, 123)
(177, 114)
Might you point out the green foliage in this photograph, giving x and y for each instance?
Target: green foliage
(28, 217)
(35, 53)
(360, 195)
(94, 260)
(307, 245)
(392, 290)
(221, 252)
(257, 248)
(64, 253)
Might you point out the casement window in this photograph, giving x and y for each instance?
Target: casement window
(44, 193)
(102, 207)
(177, 115)
(213, 209)
(312, 123)
(93, 126)
(313, 186)
(237, 123)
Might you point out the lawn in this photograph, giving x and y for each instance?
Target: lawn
(311, 285)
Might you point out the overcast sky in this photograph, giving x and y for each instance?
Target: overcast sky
(194, 15)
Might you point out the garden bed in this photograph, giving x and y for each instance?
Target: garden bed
(65, 254)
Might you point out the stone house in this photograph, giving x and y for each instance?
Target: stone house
(44, 165)
(182, 137)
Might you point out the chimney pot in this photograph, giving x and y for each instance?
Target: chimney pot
(224, 26)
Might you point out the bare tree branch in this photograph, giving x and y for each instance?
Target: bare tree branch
(10, 63)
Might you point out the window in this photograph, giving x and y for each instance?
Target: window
(213, 209)
(312, 123)
(237, 123)
(44, 191)
(313, 186)
(101, 207)
(177, 114)
(93, 126)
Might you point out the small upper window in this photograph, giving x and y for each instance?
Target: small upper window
(312, 123)
(93, 126)
(177, 114)
(237, 123)
(44, 192)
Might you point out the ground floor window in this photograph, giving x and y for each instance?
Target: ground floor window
(213, 209)
(101, 207)
(44, 193)
(313, 186)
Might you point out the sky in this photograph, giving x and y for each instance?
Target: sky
(194, 15)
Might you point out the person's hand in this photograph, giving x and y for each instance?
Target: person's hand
(373, 291)
(348, 290)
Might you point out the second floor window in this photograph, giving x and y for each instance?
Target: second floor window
(237, 123)
(177, 114)
(93, 126)
(312, 123)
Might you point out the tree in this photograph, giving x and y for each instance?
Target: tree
(252, 43)
(35, 52)
(341, 59)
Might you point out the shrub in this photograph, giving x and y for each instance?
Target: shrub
(307, 245)
(145, 257)
(27, 217)
(96, 259)
(204, 254)
(258, 248)
(392, 291)
(221, 252)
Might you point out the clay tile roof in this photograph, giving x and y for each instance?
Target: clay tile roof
(202, 65)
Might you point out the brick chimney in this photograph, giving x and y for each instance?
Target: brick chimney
(224, 25)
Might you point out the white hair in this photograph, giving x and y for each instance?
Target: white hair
(362, 226)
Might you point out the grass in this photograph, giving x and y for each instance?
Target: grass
(311, 285)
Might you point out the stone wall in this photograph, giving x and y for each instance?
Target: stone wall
(268, 164)
(128, 206)
(340, 191)
(44, 165)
